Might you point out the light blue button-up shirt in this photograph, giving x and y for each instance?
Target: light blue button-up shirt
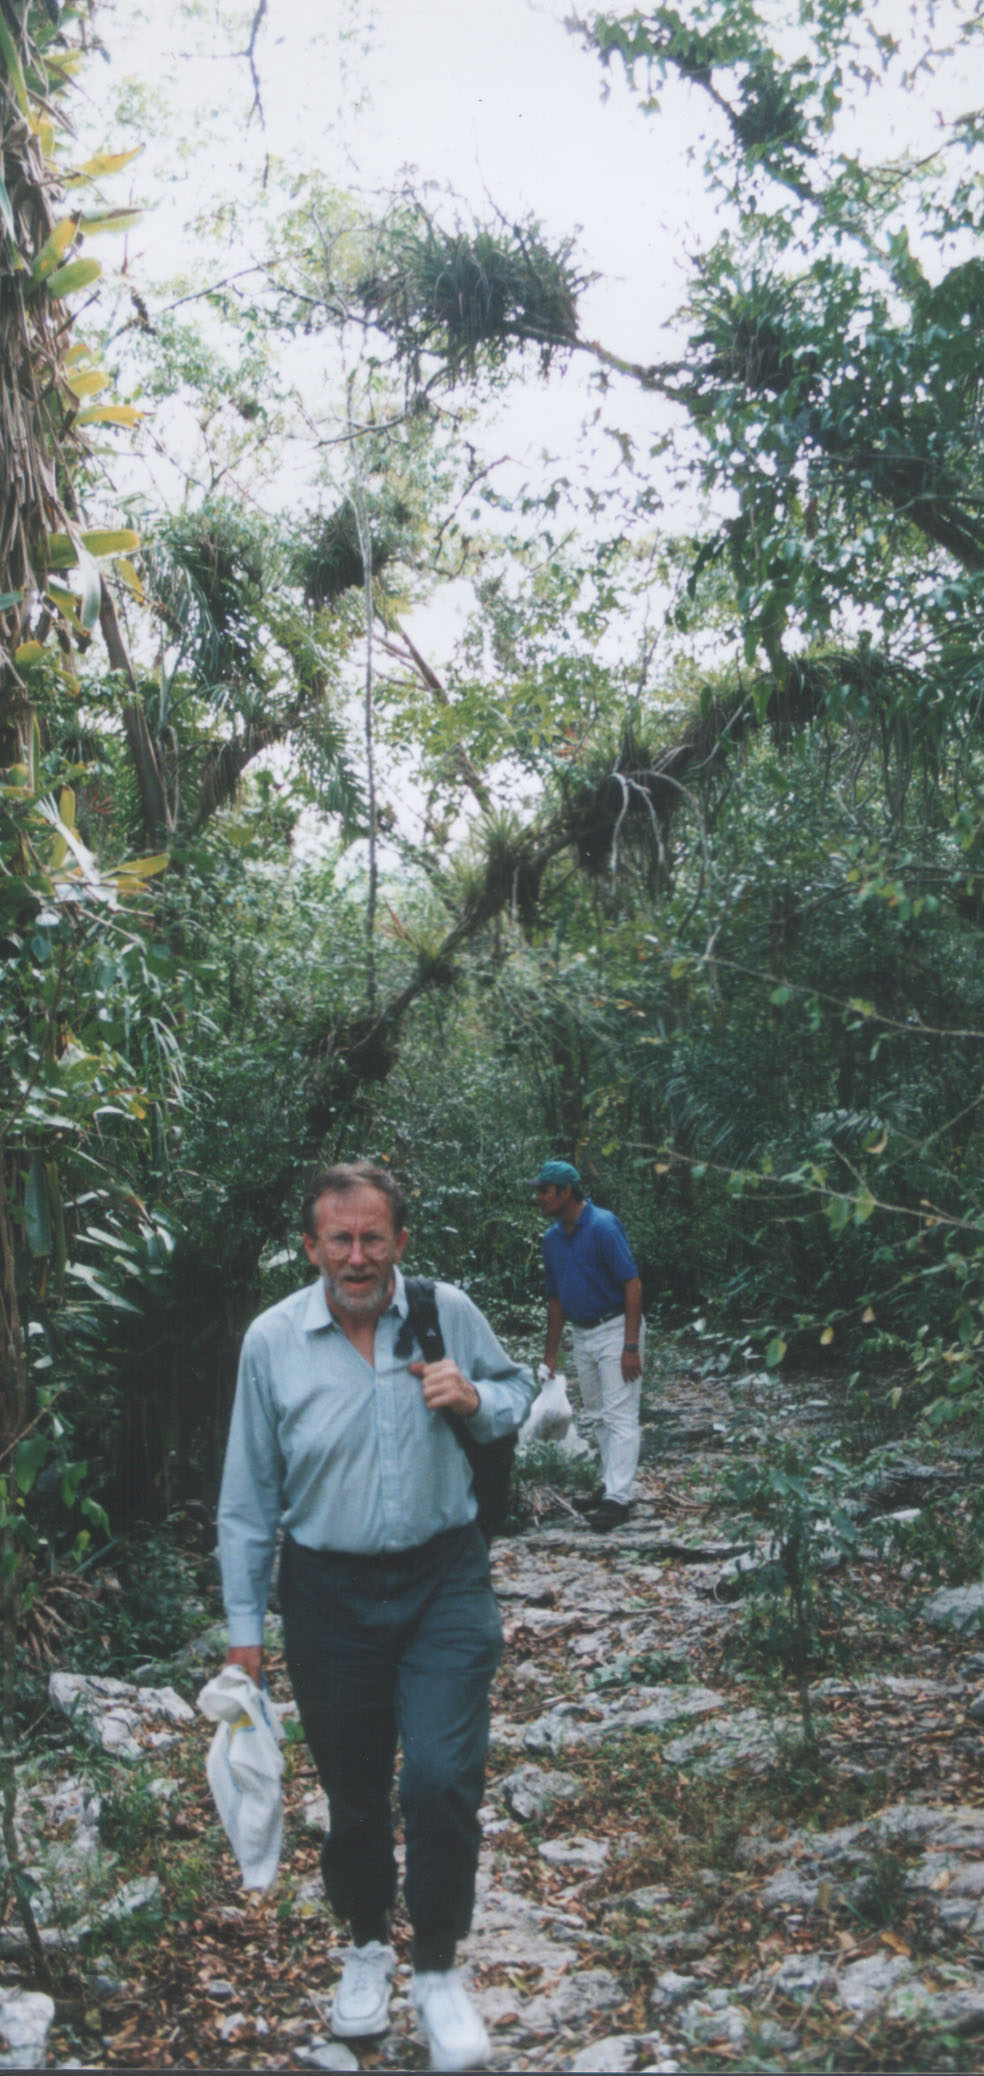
(343, 1453)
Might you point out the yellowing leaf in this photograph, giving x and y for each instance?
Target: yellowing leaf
(130, 577)
(826, 1337)
(28, 653)
(130, 876)
(110, 220)
(66, 806)
(89, 383)
(105, 162)
(868, 1316)
(64, 62)
(120, 542)
(64, 553)
(55, 247)
(77, 274)
(110, 414)
(67, 605)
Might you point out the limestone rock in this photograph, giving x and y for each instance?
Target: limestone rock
(671, 1988)
(316, 1813)
(119, 1716)
(579, 1996)
(587, 1853)
(714, 2019)
(532, 1791)
(609, 2056)
(326, 2054)
(135, 1895)
(957, 1607)
(742, 1737)
(803, 1975)
(645, 1902)
(790, 1890)
(25, 2021)
(866, 1984)
(598, 1721)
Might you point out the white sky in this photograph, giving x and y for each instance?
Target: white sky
(492, 98)
(496, 102)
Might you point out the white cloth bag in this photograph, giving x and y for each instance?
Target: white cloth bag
(245, 1769)
(551, 1413)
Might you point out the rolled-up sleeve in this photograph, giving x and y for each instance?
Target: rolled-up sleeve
(250, 1501)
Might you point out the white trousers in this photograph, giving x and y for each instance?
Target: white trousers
(611, 1405)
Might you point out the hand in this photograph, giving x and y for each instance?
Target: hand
(250, 1656)
(631, 1366)
(445, 1389)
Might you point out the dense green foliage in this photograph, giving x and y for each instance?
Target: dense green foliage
(676, 869)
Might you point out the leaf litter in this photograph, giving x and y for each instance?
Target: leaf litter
(680, 1887)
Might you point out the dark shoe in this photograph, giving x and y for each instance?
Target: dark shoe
(585, 1502)
(610, 1514)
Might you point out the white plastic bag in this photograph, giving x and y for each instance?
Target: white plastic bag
(550, 1415)
(245, 1768)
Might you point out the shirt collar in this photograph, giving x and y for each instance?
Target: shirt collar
(316, 1313)
(398, 1302)
(317, 1316)
(587, 1212)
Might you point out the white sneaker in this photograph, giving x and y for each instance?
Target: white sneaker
(455, 2034)
(361, 2004)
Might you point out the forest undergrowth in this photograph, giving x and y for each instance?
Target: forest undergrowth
(665, 1892)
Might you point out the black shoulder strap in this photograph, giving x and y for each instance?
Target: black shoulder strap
(421, 1323)
(490, 1462)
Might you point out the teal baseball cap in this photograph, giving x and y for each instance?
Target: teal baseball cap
(561, 1173)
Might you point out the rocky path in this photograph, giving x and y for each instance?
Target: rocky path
(669, 1881)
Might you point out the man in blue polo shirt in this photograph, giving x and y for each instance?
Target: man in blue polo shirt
(593, 1285)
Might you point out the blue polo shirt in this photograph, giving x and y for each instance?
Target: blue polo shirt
(588, 1268)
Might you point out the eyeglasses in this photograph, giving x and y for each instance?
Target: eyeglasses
(372, 1244)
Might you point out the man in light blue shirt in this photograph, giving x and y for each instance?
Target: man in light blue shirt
(390, 1624)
